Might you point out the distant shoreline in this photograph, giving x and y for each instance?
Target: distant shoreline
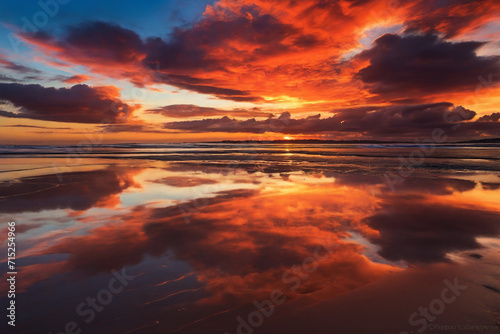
(290, 141)
(485, 141)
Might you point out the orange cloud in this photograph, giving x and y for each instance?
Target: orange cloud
(76, 79)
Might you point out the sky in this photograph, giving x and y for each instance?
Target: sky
(75, 71)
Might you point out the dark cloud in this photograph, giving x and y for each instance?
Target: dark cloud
(31, 126)
(17, 67)
(416, 65)
(75, 79)
(98, 42)
(62, 78)
(490, 185)
(9, 114)
(203, 86)
(8, 78)
(190, 110)
(494, 117)
(384, 122)
(224, 93)
(226, 124)
(80, 103)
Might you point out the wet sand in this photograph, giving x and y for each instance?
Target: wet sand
(285, 239)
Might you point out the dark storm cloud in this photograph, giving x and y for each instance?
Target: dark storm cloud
(80, 103)
(416, 65)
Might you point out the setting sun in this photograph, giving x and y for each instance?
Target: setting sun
(287, 138)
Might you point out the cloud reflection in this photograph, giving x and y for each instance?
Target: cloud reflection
(77, 191)
(240, 242)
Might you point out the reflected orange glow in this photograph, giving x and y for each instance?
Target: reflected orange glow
(314, 236)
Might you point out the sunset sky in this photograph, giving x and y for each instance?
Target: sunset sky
(175, 71)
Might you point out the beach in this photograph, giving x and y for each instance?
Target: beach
(255, 237)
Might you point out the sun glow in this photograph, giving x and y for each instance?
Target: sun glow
(287, 138)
